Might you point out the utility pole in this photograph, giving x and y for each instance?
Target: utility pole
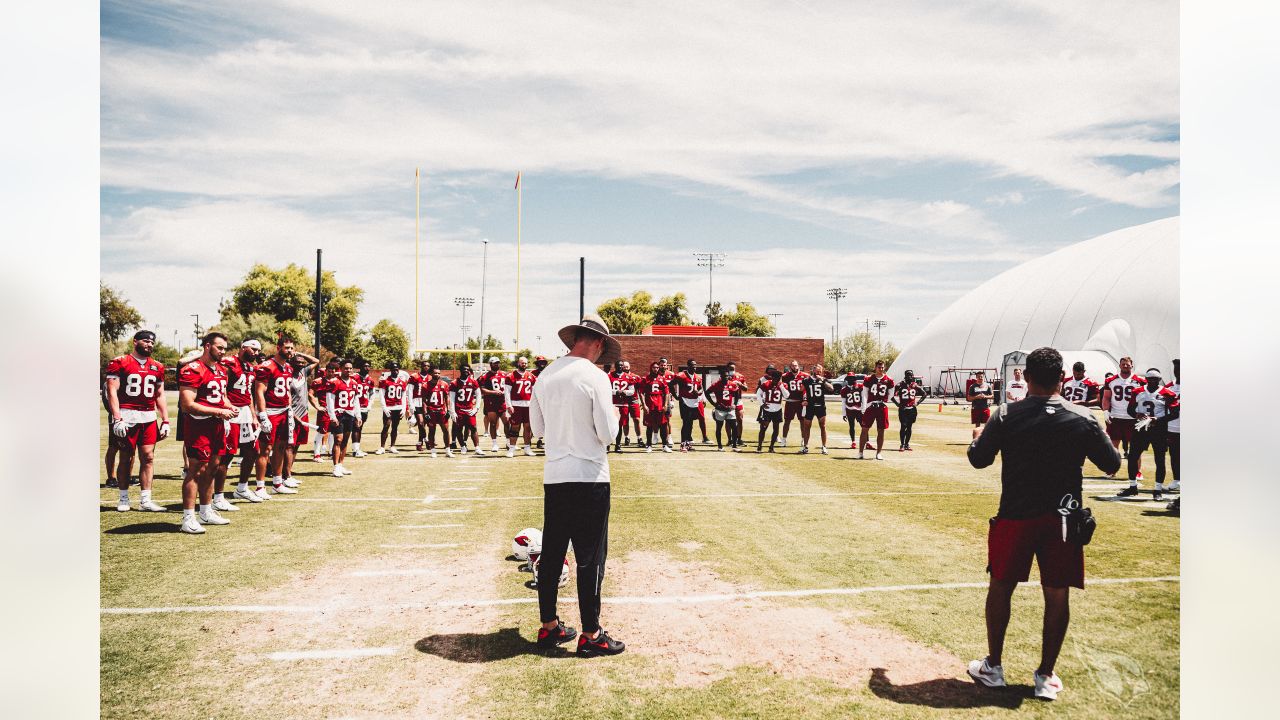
(320, 303)
(484, 273)
(582, 288)
(775, 317)
(879, 324)
(198, 333)
(836, 294)
(710, 261)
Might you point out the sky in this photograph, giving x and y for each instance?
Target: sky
(904, 151)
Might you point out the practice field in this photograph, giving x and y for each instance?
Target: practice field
(745, 585)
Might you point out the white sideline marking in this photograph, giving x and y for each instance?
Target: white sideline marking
(647, 600)
(457, 480)
(693, 496)
(427, 527)
(422, 545)
(332, 654)
(438, 512)
(459, 489)
(428, 499)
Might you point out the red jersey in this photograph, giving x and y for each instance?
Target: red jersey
(141, 382)
(393, 390)
(210, 384)
(346, 394)
(321, 387)
(908, 394)
(794, 383)
(276, 375)
(771, 393)
(435, 395)
(877, 389)
(655, 390)
(521, 384)
(416, 381)
(727, 393)
(494, 380)
(688, 386)
(852, 392)
(624, 388)
(365, 385)
(465, 393)
(239, 381)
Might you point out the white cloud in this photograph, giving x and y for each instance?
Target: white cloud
(1009, 198)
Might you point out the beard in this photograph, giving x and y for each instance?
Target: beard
(143, 350)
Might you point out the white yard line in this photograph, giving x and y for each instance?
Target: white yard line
(644, 600)
(674, 496)
(458, 489)
(428, 527)
(419, 546)
(332, 654)
(438, 512)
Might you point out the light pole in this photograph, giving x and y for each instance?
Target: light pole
(197, 317)
(775, 317)
(710, 261)
(484, 272)
(464, 303)
(836, 294)
(879, 324)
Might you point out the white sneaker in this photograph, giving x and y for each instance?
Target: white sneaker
(879, 456)
(984, 674)
(804, 450)
(150, 506)
(211, 517)
(448, 452)
(345, 471)
(285, 490)
(479, 452)
(192, 526)
(648, 448)
(1047, 688)
(290, 482)
(261, 494)
(528, 450)
(511, 451)
(394, 451)
(494, 449)
(783, 443)
(122, 506)
(379, 451)
(666, 448)
(221, 503)
(337, 471)
(861, 456)
(1174, 486)
(433, 454)
(359, 453)
(247, 496)
(824, 449)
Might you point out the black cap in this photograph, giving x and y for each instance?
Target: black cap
(144, 335)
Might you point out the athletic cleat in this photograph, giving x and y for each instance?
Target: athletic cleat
(706, 441)
(221, 504)
(719, 448)
(666, 448)
(548, 639)
(419, 447)
(337, 471)
(511, 451)
(247, 496)
(479, 452)
(528, 450)
(1047, 688)
(1157, 494)
(1175, 507)
(379, 451)
(649, 449)
(910, 449)
(433, 455)
(1128, 492)
(122, 506)
(463, 449)
(290, 482)
(853, 446)
(494, 449)
(601, 644)
(1138, 477)
(192, 526)
(804, 450)
(285, 490)
(861, 456)
(1174, 487)
(902, 448)
(824, 449)
(211, 517)
(784, 441)
(261, 493)
(448, 452)
(879, 456)
(985, 674)
(359, 453)
(393, 451)
(150, 506)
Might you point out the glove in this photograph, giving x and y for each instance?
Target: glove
(413, 421)
(119, 428)
(164, 430)
(263, 419)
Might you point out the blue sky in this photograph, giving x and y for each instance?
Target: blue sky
(908, 153)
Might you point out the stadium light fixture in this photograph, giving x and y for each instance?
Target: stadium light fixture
(464, 303)
(879, 324)
(710, 261)
(836, 294)
(775, 317)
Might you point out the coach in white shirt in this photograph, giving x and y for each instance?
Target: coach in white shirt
(572, 409)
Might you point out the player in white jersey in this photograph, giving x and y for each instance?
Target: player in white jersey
(1081, 390)
(1117, 391)
(1147, 411)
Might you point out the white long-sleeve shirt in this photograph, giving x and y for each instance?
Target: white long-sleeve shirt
(572, 409)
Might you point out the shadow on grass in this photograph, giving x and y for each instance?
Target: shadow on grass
(483, 647)
(144, 528)
(947, 693)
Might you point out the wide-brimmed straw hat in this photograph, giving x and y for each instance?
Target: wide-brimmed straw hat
(593, 323)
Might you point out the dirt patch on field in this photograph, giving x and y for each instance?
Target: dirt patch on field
(702, 642)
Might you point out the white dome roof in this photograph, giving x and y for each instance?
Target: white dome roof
(1117, 294)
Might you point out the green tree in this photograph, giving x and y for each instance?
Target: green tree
(384, 342)
(115, 314)
(627, 315)
(671, 310)
(746, 321)
(287, 294)
(715, 314)
(256, 326)
(858, 352)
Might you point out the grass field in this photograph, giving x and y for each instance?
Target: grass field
(404, 565)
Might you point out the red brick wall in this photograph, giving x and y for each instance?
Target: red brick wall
(751, 354)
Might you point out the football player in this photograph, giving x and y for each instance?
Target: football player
(771, 393)
(464, 398)
(793, 380)
(202, 395)
(1150, 430)
(726, 401)
(1117, 391)
(1080, 389)
(876, 391)
(135, 399)
(656, 391)
(851, 402)
(1171, 397)
(980, 393)
(301, 400)
(342, 403)
(815, 386)
(907, 396)
(243, 431)
(687, 386)
(436, 408)
(416, 404)
(635, 401)
(493, 393)
(518, 393)
(623, 385)
(319, 392)
(365, 385)
(274, 404)
(731, 372)
(395, 404)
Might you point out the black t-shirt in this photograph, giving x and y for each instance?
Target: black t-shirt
(815, 390)
(1043, 443)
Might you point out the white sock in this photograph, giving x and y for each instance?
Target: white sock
(124, 496)
(146, 496)
(261, 484)
(204, 509)
(188, 514)
(277, 480)
(242, 487)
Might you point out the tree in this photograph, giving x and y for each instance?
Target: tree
(256, 326)
(671, 310)
(115, 314)
(384, 342)
(746, 321)
(627, 316)
(858, 352)
(287, 294)
(715, 313)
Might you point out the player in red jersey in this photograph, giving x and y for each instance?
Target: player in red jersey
(342, 403)
(435, 408)
(318, 391)
(519, 391)
(418, 418)
(273, 402)
(668, 375)
(726, 396)
(301, 401)
(135, 399)
(395, 404)
(876, 391)
(365, 387)
(655, 392)
(202, 395)
(464, 398)
(636, 413)
(493, 395)
(624, 393)
(852, 402)
(1117, 391)
(793, 379)
(1081, 390)
(980, 394)
(814, 388)
(731, 373)
(771, 393)
(243, 431)
(907, 396)
(688, 388)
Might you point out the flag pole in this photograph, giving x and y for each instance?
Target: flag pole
(518, 213)
(417, 222)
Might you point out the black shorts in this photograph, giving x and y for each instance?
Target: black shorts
(364, 416)
(770, 416)
(394, 416)
(345, 424)
(816, 410)
(907, 415)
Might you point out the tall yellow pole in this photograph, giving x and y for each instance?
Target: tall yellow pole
(519, 191)
(417, 222)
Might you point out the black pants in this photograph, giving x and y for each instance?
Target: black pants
(577, 512)
(1157, 439)
(906, 418)
(1173, 440)
(688, 418)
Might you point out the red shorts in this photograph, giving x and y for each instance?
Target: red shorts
(1012, 543)
(875, 415)
(436, 416)
(231, 443)
(979, 417)
(494, 405)
(791, 409)
(301, 433)
(519, 414)
(1120, 429)
(278, 430)
(656, 418)
(139, 434)
(205, 439)
(465, 420)
(323, 423)
(702, 410)
(626, 412)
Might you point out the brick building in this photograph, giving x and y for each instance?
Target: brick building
(712, 347)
